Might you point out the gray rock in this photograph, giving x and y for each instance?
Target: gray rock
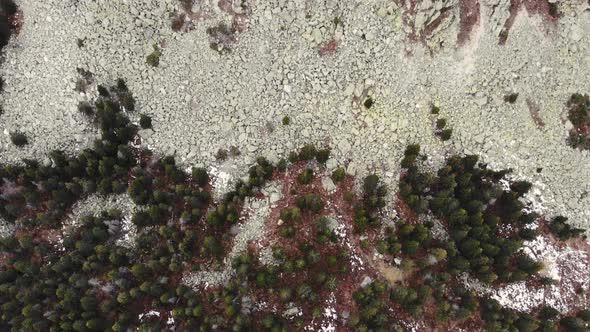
(291, 312)
(366, 281)
(328, 184)
(331, 164)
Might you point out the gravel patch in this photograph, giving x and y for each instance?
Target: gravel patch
(6, 229)
(95, 204)
(201, 101)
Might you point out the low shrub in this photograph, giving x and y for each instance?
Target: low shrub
(19, 139)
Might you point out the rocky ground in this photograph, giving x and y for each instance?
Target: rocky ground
(315, 62)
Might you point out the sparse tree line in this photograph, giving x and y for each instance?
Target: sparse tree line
(87, 282)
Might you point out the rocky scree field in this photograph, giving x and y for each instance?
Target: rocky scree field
(322, 166)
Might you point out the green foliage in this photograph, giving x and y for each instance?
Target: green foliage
(311, 202)
(373, 200)
(200, 176)
(308, 152)
(547, 313)
(511, 98)
(145, 121)
(410, 155)
(441, 123)
(154, 58)
(305, 177)
(372, 313)
(562, 230)
(291, 214)
(573, 324)
(390, 244)
(498, 318)
(338, 174)
(286, 121)
(322, 156)
(140, 189)
(221, 154)
(411, 299)
(446, 134)
(412, 237)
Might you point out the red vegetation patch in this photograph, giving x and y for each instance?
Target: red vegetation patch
(542, 7)
(328, 48)
(17, 21)
(535, 110)
(404, 211)
(469, 13)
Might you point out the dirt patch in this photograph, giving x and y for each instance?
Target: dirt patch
(390, 273)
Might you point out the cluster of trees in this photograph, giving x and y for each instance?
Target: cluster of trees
(45, 191)
(486, 227)
(367, 209)
(309, 152)
(440, 131)
(474, 208)
(87, 286)
(94, 284)
(372, 303)
(308, 264)
(498, 318)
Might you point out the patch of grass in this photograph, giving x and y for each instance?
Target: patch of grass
(286, 121)
(154, 58)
